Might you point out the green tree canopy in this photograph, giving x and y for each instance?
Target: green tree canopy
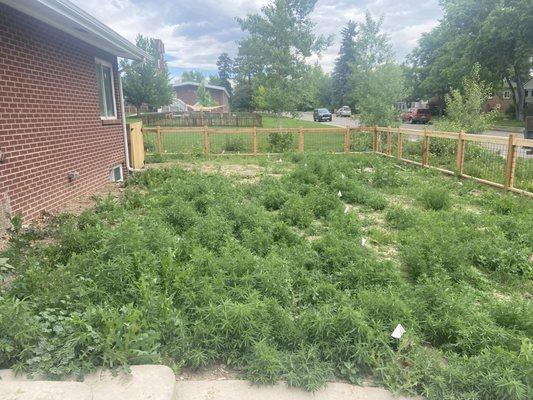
(193, 76)
(378, 92)
(344, 65)
(274, 53)
(497, 34)
(225, 72)
(203, 97)
(146, 82)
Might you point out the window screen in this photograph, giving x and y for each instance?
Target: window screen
(106, 91)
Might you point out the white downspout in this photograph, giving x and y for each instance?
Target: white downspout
(124, 129)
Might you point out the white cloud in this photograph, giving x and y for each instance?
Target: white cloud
(196, 32)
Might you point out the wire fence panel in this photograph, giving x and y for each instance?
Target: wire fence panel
(230, 142)
(485, 158)
(486, 161)
(361, 141)
(443, 153)
(523, 178)
(330, 141)
(278, 140)
(412, 147)
(149, 138)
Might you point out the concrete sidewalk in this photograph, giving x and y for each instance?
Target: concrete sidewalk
(243, 390)
(158, 382)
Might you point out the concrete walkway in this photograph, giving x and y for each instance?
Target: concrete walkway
(242, 390)
(158, 382)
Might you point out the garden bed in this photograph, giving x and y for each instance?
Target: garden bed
(301, 273)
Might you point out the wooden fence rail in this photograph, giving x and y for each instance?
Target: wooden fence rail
(503, 162)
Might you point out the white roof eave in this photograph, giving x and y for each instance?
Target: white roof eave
(69, 18)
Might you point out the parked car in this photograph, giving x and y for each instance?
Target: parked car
(417, 115)
(344, 111)
(322, 114)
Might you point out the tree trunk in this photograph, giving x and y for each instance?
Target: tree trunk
(518, 95)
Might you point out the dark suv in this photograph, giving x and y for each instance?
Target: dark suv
(322, 114)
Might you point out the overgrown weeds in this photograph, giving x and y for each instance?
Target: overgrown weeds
(193, 269)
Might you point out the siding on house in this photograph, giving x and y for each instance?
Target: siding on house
(49, 117)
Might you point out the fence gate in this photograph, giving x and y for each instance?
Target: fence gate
(136, 144)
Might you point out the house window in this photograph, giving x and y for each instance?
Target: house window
(506, 94)
(527, 93)
(106, 89)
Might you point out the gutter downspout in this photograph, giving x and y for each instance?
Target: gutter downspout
(124, 129)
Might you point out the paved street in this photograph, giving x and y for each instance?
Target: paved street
(343, 122)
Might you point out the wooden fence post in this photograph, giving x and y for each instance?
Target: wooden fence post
(255, 144)
(399, 148)
(511, 162)
(425, 149)
(301, 140)
(460, 156)
(347, 140)
(159, 140)
(376, 145)
(206, 140)
(389, 140)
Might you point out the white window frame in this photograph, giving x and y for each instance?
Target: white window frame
(108, 64)
(506, 94)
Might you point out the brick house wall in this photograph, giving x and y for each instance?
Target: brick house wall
(49, 117)
(187, 93)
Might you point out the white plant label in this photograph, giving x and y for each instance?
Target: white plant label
(346, 209)
(398, 332)
(280, 160)
(342, 176)
(363, 241)
(339, 194)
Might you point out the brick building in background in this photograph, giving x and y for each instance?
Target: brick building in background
(186, 92)
(61, 126)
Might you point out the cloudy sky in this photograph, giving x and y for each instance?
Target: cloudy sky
(195, 32)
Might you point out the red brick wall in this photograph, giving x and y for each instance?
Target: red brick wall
(49, 117)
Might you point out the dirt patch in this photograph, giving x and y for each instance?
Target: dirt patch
(248, 172)
(218, 372)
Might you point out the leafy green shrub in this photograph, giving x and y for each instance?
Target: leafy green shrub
(435, 198)
(295, 212)
(233, 144)
(274, 198)
(280, 142)
(386, 176)
(306, 369)
(401, 218)
(265, 364)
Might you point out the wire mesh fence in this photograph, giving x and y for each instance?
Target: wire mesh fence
(361, 140)
(325, 140)
(523, 174)
(443, 153)
(277, 140)
(230, 142)
(485, 161)
(412, 147)
(485, 158)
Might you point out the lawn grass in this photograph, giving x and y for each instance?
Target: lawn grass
(301, 274)
(504, 120)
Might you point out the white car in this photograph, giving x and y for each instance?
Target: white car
(344, 111)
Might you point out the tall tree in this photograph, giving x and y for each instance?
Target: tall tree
(192, 76)
(146, 82)
(204, 97)
(225, 71)
(372, 49)
(496, 33)
(344, 65)
(279, 41)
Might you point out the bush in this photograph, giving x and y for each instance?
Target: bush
(233, 144)
(435, 198)
(280, 142)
